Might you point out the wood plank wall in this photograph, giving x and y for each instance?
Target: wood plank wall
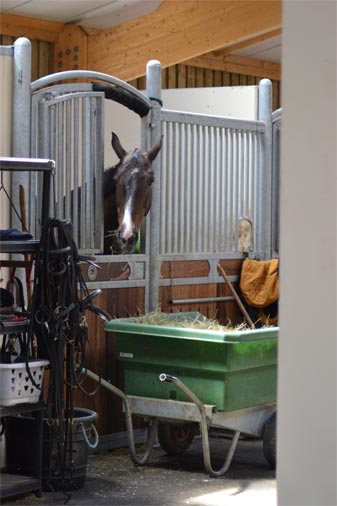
(185, 76)
(42, 55)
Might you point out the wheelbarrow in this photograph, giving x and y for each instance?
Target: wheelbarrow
(182, 380)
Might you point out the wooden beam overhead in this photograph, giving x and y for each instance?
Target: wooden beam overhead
(32, 28)
(255, 40)
(238, 65)
(179, 30)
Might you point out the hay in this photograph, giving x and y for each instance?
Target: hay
(200, 322)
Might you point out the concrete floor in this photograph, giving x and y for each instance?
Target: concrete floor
(113, 480)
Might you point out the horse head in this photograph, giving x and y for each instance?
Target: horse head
(130, 195)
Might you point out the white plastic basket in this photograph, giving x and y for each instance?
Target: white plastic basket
(16, 386)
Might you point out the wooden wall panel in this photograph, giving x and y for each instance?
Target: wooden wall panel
(224, 311)
(185, 76)
(42, 55)
(101, 357)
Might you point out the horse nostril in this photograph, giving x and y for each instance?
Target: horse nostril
(130, 241)
(133, 239)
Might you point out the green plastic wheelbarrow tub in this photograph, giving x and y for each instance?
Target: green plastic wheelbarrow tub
(232, 369)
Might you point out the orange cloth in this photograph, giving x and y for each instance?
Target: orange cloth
(259, 282)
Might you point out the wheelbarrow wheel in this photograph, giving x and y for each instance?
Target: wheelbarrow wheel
(269, 441)
(176, 438)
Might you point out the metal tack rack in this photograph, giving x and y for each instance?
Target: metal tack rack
(13, 483)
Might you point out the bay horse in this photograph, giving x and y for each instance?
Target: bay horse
(127, 189)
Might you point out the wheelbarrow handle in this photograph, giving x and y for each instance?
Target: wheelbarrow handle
(204, 427)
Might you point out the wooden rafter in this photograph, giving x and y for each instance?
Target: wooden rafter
(255, 40)
(195, 32)
(180, 30)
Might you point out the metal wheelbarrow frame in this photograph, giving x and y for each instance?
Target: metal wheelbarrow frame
(257, 421)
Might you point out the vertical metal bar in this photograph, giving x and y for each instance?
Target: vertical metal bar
(60, 160)
(183, 189)
(276, 186)
(235, 180)
(91, 169)
(201, 188)
(75, 210)
(193, 190)
(164, 191)
(169, 169)
(167, 215)
(87, 161)
(173, 181)
(51, 136)
(84, 200)
(188, 187)
(228, 161)
(99, 157)
(263, 245)
(256, 155)
(45, 196)
(153, 90)
(204, 186)
(33, 179)
(42, 152)
(212, 178)
(68, 147)
(145, 228)
(21, 118)
(221, 192)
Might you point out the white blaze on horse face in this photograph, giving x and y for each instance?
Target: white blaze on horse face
(127, 226)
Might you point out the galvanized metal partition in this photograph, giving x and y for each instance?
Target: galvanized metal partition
(211, 172)
(211, 168)
(67, 126)
(214, 171)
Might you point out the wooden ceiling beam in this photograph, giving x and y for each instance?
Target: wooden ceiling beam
(180, 30)
(255, 40)
(238, 65)
(32, 28)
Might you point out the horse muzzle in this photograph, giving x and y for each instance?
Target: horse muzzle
(128, 243)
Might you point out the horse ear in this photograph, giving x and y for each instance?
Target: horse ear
(153, 152)
(118, 148)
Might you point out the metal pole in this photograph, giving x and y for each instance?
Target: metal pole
(263, 230)
(153, 91)
(21, 118)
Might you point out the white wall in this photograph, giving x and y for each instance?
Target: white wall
(307, 428)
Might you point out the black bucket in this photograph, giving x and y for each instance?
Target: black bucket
(21, 450)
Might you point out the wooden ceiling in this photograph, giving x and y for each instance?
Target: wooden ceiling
(197, 32)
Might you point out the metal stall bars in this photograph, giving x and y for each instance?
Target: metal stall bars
(276, 165)
(214, 170)
(68, 125)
